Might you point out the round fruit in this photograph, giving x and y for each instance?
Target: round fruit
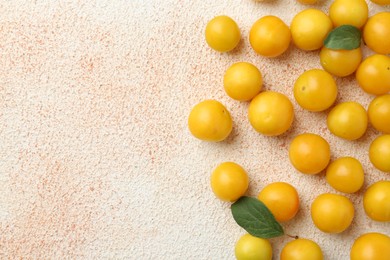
(350, 12)
(301, 249)
(229, 181)
(381, 2)
(345, 174)
(242, 81)
(270, 36)
(348, 120)
(222, 33)
(332, 213)
(376, 201)
(249, 247)
(309, 29)
(376, 33)
(379, 153)
(371, 246)
(281, 199)
(315, 90)
(309, 153)
(373, 74)
(340, 63)
(271, 113)
(379, 113)
(210, 121)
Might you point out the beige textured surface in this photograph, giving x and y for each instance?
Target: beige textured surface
(95, 157)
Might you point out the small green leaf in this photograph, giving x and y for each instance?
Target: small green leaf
(253, 216)
(344, 37)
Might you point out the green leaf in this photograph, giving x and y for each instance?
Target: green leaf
(344, 37)
(253, 216)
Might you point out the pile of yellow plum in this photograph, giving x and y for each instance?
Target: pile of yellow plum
(339, 37)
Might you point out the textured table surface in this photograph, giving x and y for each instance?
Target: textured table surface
(96, 161)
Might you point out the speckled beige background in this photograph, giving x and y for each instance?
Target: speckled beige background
(96, 161)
